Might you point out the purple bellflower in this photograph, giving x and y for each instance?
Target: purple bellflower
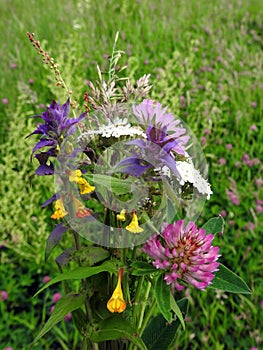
(154, 152)
(152, 113)
(57, 125)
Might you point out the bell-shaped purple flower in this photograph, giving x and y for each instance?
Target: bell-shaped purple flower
(154, 152)
(152, 113)
(56, 127)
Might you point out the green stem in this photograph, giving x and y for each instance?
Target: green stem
(137, 296)
(126, 288)
(147, 318)
(88, 345)
(144, 303)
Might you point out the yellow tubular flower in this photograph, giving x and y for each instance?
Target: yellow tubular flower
(121, 216)
(134, 225)
(84, 186)
(60, 210)
(75, 175)
(116, 302)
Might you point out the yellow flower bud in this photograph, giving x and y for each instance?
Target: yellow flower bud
(121, 216)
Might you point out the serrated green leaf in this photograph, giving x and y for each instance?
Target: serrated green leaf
(116, 327)
(82, 272)
(228, 281)
(64, 306)
(214, 225)
(160, 335)
(162, 294)
(177, 310)
(141, 268)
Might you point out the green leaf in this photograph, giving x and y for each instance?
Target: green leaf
(65, 305)
(116, 327)
(82, 272)
(160, 335)
(214, 225)
(162, 294)
(80, 321)
(141, 268)
(91, 255)
(118, 186)
(228, 281)
(177, 310)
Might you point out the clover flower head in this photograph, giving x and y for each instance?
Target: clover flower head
(185, 253)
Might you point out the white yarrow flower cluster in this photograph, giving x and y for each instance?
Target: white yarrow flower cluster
(120, 127)
(189, 174)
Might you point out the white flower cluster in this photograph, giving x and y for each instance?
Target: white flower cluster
(189, 174)
(120, 127)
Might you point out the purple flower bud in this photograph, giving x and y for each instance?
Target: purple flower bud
(46, 279)
(56, 297)
(245, 158)
(182, 101)
(67, 317)
(52, 308)
(253, 127)
(223, 213)
(222, 161)
(229, 146)
(5, 101)
(259, 209)
(3, 295)
(259, 182)
(254, 104)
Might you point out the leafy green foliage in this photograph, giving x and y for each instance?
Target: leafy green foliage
(141, 268)
(116, 327)
(214, 225)
(162, 295)
(228, 281)
(208, 52)
(82, 272)
(65, 305)
(160, 335)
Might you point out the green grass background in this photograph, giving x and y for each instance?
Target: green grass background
(210, 52)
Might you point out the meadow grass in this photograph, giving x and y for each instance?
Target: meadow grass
(206, 61)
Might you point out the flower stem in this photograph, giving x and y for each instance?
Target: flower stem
(137, 296)
(144, 303)
(147, 317)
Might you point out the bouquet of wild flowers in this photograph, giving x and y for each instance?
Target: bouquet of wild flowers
(130, 181)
